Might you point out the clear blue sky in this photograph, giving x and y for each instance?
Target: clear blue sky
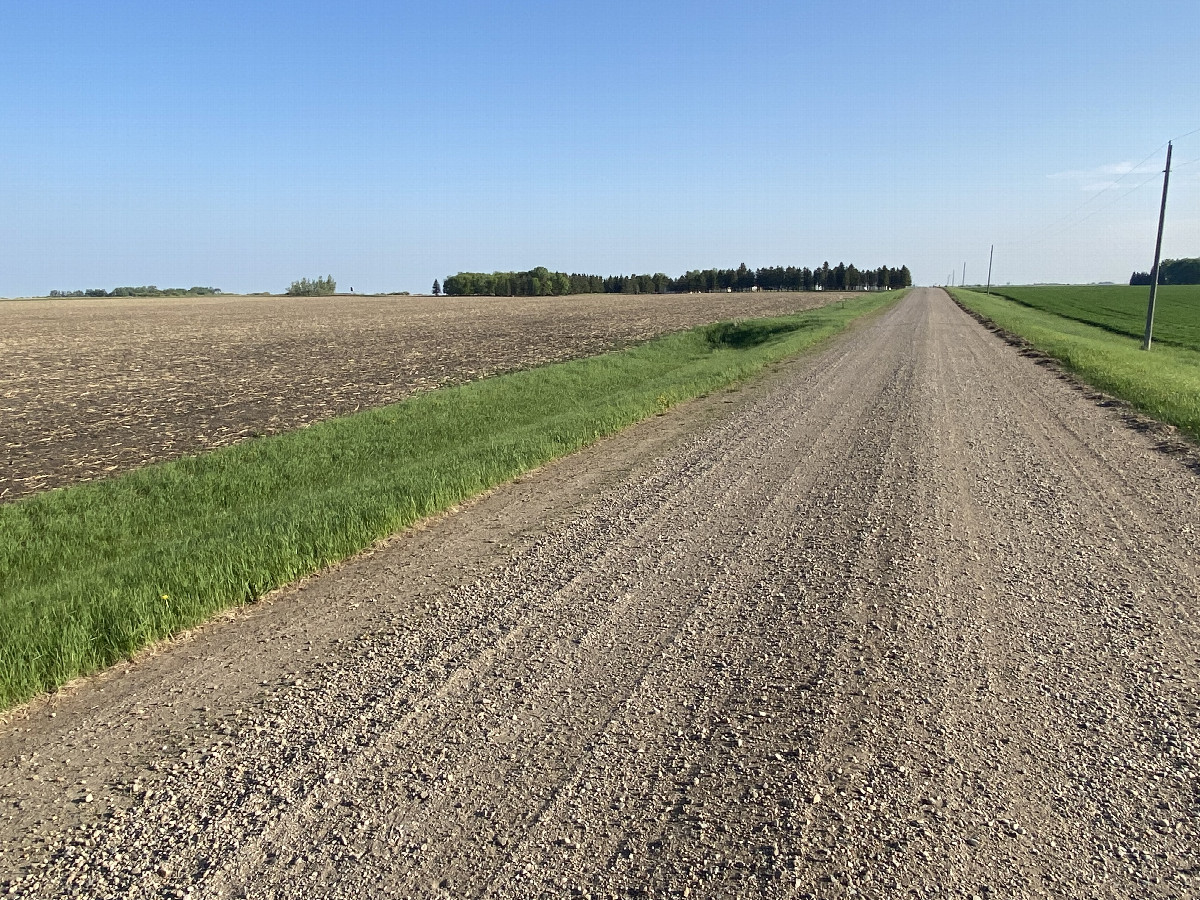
(246, 144)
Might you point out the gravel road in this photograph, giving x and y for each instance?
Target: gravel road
(909, 617)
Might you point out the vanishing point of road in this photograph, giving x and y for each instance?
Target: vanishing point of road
(912, 616)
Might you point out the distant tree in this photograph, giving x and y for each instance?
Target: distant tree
(1172, 271)
(543, 282)
(437, 288)
(320, 287)
(144, 291)
(1179, 271)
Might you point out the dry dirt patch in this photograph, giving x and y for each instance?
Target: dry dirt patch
(95, 387)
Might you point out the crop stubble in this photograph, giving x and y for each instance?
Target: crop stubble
(91, 388)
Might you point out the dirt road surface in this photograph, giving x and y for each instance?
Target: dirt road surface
(911, 617)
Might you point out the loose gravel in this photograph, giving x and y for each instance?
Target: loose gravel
(911, 617)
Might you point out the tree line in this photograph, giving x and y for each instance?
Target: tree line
(1172, 271)
(148, 290)
(542, 282)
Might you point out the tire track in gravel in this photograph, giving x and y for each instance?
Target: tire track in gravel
(591, 647)
(1082, 605)
(631, 846)
(913, 618)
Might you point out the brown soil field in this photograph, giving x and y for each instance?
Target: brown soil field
(94, 387)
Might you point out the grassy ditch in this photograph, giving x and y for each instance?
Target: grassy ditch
(92, 573)
(1164, 383)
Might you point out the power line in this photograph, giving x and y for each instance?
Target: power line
(1096, 212)
(1108, 187)
(1053, 230)
(1176, 140)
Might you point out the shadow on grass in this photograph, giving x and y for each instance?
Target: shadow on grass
(740, 335)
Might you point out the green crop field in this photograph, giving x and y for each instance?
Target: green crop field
(1164, 383)
(1120, 308)
(91, 573)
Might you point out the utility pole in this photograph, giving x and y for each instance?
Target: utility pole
(1162, 212)
(990, 252)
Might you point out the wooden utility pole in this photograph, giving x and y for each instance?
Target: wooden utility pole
(1162, 213)
(990, 252)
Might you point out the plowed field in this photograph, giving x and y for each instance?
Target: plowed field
(90, 388)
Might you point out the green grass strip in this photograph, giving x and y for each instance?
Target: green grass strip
(1120, 308)
(1164, 383)
(92, 573)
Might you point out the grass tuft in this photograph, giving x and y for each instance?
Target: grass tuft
(92, 573)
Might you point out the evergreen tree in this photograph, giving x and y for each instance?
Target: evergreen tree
(1179, 271)
(543, 282)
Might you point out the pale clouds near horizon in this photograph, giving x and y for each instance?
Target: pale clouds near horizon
(1109, 175)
